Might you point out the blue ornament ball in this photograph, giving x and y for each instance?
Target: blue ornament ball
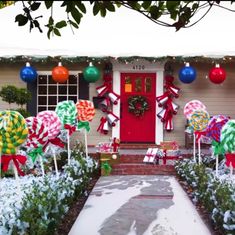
(187, 74)
(28, 73)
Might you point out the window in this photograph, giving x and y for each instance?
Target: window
(50, 93)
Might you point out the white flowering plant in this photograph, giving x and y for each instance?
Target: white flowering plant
(216, 193)
(41, 202)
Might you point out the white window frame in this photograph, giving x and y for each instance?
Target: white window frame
(48, 73)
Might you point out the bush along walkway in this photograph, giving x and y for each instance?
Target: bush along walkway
(43, 201)
(215, 194)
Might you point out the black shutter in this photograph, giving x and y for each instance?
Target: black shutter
(32, 105)
(83, 88)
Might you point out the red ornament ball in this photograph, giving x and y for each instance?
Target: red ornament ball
(60, 74)
(217, 75)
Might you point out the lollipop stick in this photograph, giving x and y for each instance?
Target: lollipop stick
(68, 147)
(42, 167)
(231, 169)
(216, 164)
(194, 147)
(17, 180)
(85, 135)
(55, 163)
(199, 150)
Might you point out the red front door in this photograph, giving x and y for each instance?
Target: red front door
(138, 129)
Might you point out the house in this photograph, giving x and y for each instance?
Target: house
(132, 75)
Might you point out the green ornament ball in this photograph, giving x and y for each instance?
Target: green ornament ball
(91, 74)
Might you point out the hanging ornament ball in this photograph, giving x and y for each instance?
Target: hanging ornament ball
(28, 73)
(187, 74)
(60, 74)
(91, 73)
(217, 75)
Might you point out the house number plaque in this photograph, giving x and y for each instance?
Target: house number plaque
(138, 67)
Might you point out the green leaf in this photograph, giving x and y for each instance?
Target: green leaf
(76, 15)
(61, 24)
(103, 12)
(155, 12)
(21, 19)
(172, 5)
(75, 25)
(96, 9)
(109, 6)
(146, 4)
(48, 4)
(35, 6)
(51, 21)
(56, 32)
(81, 6)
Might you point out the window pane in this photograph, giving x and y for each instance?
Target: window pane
(73, 79)
(138, 85)
(128, 85)
(52, 100)
(62, 98)
(52, 90)
(51, 81)
(51, 108)
(62, 90)
(42, 79)
(42, 100)
(42, 108)
(74, 98)
(148, 85)
(42, 90)
(72, 90)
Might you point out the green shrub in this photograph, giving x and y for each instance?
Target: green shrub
(216, 194)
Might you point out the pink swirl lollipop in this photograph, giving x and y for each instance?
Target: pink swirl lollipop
(51, 121)
(38, 133)
(215, 125)
(192, 106)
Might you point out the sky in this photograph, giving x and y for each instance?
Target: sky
(123, 33)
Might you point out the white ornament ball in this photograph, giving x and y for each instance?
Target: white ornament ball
(114, 156)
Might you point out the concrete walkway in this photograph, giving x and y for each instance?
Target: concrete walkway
(138, 205)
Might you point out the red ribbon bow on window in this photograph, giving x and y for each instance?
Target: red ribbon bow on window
(17, 160)
(71, 129)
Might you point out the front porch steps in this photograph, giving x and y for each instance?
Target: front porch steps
(132, 164)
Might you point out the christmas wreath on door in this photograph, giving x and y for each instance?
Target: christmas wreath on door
(138, 105)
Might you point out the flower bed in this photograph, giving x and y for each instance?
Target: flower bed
(43, 201)
(217, 194)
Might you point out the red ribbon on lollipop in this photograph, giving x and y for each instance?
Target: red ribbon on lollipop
(17, 160)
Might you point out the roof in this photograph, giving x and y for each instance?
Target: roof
(124, 33)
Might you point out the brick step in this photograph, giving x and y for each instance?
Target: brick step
(142, 169)
(138, 158)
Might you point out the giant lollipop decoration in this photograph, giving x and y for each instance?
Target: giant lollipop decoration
(53, 125)
(67, 112)
(192, 106)
(214, 128)
(13, 133)
(189, 108)
(86, 113)
(198, 122)
(37, 138)
(228, 141)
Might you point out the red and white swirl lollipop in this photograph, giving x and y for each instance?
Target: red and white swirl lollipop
(51, 121)
(38, 133)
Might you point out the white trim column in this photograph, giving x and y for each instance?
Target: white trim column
(116, 108)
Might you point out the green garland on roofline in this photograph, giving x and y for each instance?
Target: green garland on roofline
(105, 59)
